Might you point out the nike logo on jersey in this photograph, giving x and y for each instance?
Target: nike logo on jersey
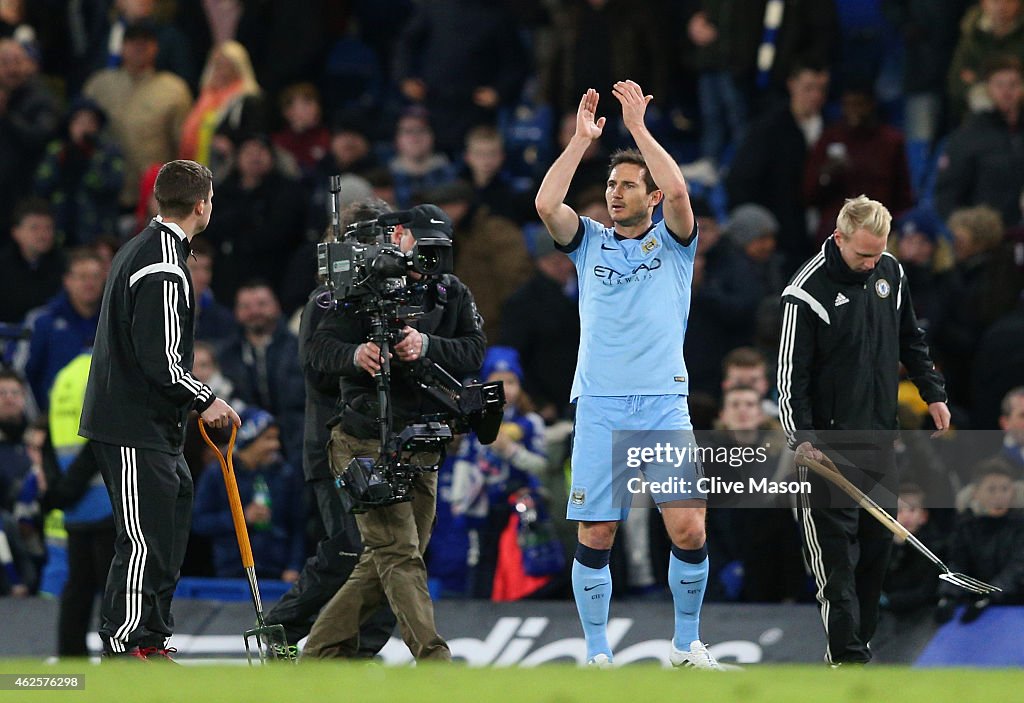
(591, 588)
(841, 300)
(607, 248)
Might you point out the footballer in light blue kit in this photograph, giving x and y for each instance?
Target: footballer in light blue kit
(634, 282)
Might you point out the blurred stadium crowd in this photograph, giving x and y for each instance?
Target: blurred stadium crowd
(777, 109)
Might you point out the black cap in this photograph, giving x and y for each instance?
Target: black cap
(428, 221)
(141, 29)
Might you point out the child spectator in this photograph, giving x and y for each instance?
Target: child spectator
(305, 136)
(746, 366)
(910, 582)
(763, 539)
(487, 478)
(987, 544)
(82, 175)
(271, 491)
(484, 161)
(416, 166)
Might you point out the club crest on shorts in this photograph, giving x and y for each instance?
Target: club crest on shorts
(578, 496)
(882, 288)
(649, 245)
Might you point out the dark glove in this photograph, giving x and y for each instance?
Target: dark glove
(944, 611)
(973, 611)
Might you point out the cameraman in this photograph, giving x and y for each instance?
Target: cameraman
(394, 537)
(337, 554)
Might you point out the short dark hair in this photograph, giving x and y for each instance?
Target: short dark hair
(743, 358)
(31, 206)
(304, 89)
(807, 66)
(379, 177)
(363, 210)
(1006, 407)
(1001, 62)
(256, 284)
(12, 375)
(912, 489)
(996, 465)
(484, 132)
(85, 253)
(633, 156)
(180, 185)
(740, 388)
(202, 247)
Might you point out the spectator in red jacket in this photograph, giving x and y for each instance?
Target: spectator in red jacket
(857, 155)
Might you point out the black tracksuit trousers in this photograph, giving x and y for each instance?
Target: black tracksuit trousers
(847, 551)
(151, 494)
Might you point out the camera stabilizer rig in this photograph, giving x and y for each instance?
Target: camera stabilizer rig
(367, 278)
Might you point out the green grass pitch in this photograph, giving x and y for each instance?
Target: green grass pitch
(138, 682)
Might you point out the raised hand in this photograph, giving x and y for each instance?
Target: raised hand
(634, 103)
(586, 124)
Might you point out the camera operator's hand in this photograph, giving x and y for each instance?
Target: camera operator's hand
(411, 346)
(368, 358)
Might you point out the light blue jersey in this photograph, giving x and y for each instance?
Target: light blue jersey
(634, 303)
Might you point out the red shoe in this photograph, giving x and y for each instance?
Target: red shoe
(133, 653)
(158, 653)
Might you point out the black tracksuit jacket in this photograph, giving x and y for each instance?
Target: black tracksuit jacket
(456, 342)
(141, 387)
(844, 336)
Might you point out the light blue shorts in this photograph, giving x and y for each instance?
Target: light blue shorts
(607, 427)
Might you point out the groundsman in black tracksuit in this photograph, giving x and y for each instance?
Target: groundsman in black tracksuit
(138, 397)
(847, 324)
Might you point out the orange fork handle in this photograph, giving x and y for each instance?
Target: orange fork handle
(234, 500)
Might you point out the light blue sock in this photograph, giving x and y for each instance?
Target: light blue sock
(592, 589)
(688, 579)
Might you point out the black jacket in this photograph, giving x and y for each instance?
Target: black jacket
(911, 581)
(456, 343)
(990, 549)
(769, 170)
(983, 165)
(322, 392)
(844, 336)
(270, 379)
(543, 324)
(140, 386)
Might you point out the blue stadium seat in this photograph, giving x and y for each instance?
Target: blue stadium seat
(918, 160)
(528, 131)
(221, 589)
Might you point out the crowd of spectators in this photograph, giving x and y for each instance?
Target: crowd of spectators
(777, 111)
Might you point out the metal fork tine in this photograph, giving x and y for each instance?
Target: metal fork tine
(968, 583)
